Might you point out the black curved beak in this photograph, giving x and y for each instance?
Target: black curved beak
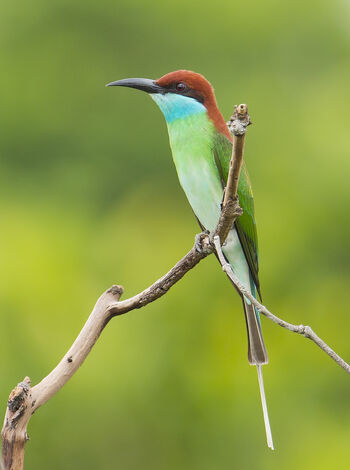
(144, 84)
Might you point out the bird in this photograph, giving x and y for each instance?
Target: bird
(201, 146)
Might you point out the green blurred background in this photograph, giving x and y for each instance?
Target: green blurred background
(89, 197)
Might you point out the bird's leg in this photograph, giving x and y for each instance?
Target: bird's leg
(202, 242)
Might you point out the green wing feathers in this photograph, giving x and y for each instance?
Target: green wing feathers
(245, 224)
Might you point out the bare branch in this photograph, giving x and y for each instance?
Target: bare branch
(238, 126)
(238, 123)
(27, 400)
(78, 352)
(305, 331)
(24, 400)
(14, 433)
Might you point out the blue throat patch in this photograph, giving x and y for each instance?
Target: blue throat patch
(175, 106)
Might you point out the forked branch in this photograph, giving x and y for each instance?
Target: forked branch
(24, 400)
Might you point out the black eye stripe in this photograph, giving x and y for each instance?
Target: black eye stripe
(184, 90)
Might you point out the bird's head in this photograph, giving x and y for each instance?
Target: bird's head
(180, 94)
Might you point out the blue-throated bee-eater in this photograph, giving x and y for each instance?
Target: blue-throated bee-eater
(201, 145)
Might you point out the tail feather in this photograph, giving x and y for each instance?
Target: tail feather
(256, 348)
(257, 355)
(264, 407)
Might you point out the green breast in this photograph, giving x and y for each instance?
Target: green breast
(191, 140)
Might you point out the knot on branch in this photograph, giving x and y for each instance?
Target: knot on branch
(239, 120)
(306, 331)
(17, 405)
(226, 267)
(202, 243)
(18, 395)
(232, 207)
(229, 213)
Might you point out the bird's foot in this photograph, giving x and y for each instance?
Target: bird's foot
(202, 242)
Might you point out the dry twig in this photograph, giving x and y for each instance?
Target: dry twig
(24, 400)
(305, 331)
(238, 124)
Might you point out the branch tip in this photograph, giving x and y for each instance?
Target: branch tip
(239, 120)
(116, 290)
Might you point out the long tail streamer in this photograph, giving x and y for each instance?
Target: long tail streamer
(264, 407)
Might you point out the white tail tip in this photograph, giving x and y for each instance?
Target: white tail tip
(264, 407)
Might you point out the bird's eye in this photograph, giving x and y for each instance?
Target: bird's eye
(181, 86)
